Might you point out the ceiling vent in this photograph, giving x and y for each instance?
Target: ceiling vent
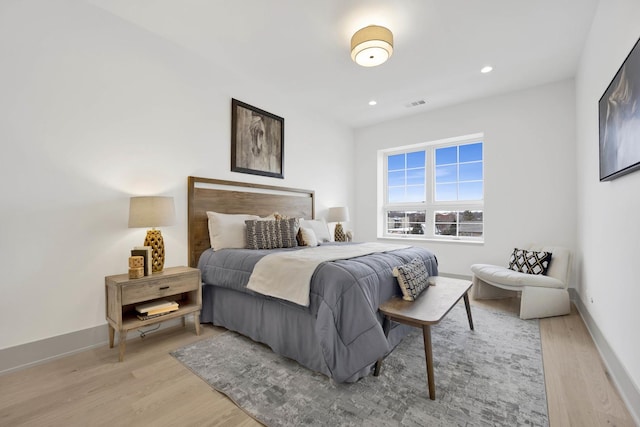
(415, 103)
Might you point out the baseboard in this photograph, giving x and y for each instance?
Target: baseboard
(42, 351)
(617, 372)
(455, 276)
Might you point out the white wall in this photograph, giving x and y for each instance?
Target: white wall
(94, 110)
(529, 170)
(608, 226)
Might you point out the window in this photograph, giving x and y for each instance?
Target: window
(406, 177)
(434, 190)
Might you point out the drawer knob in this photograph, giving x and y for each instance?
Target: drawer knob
(162, 288)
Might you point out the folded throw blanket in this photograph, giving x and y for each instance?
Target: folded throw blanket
(287, 275)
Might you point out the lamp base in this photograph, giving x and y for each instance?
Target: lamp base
(338, 234)
(154, 239)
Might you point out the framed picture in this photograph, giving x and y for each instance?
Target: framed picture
(257, 141)
(619, 111)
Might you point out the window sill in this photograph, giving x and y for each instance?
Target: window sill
(427, 239)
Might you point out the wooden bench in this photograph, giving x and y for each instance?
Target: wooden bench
(428, 309)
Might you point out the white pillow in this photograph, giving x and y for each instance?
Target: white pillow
(228, 231)
(319, 227)
(308, 237)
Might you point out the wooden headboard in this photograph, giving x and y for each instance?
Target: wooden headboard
(233, 197)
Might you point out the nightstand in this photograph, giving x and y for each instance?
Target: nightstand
(180, 284)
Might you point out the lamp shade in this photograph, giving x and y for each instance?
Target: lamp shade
(338, 214)
(371, 46)
(151, 211)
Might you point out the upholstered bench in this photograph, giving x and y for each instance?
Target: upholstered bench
(542, 295)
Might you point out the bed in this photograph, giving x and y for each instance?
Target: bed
(339, 333)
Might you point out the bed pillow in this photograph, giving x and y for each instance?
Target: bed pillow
(529, 262)
(413, 278)
(319, 227)
(277, 215)
(270, 217)
(279, 233)
(307, 237)
(228, 231)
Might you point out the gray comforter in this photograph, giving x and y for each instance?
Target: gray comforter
(340, 333)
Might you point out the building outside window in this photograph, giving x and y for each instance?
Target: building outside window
(434, 190)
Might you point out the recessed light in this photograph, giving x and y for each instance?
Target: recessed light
(486, 69)
(372, 102)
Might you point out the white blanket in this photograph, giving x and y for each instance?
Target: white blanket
(287, 275)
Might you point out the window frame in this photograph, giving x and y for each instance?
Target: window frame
(430, 206)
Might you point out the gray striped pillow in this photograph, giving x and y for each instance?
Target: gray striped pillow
(280, 233)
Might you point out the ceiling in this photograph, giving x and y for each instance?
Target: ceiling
(301, 48)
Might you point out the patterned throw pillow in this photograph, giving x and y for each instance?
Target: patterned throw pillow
(278, 215)
(529, 262)
(279, 233)
(413, 278)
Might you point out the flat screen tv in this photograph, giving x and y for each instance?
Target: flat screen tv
(619, 111)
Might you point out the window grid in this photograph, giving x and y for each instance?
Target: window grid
(418, 218)
(412, 170)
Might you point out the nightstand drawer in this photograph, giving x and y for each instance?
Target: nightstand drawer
(158, 288)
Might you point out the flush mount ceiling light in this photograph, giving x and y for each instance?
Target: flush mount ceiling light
(371, 46)
(486, 69)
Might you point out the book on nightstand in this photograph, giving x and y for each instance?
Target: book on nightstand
(156, 307)
(151, 316)
(145, 252)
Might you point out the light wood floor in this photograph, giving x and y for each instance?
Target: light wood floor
(151, 388)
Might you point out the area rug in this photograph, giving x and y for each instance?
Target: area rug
(490, 376)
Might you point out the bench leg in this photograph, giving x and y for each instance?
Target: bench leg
(468, 307)
(426, 333)
(376, 371)
(386, 326)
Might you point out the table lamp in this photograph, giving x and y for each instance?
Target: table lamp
(338, 214)
(152, 211)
